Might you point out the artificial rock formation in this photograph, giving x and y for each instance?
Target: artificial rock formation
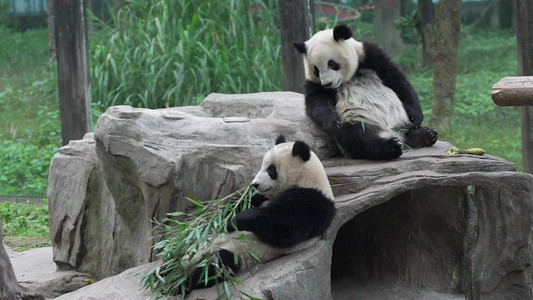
(140, 164)
(426, 222)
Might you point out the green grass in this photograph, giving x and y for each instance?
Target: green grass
(25, 226)
(29, 118)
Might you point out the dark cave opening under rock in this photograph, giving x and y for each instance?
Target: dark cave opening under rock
(411, 246)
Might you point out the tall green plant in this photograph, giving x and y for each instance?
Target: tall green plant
(161, 53)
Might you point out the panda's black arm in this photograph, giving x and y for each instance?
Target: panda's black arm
(296, 216)
(392, 77)
(320, 106)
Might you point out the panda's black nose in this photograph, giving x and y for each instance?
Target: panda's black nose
(327, 84)
(255, 185)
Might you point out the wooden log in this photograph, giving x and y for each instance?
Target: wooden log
(513, 91)
(72, 69)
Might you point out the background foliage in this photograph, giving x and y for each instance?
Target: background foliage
(25, 226)
(172, 53)
(160, 53)
(29, 113)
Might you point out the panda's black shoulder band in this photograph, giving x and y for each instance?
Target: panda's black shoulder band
(341, 32)
(301, 149)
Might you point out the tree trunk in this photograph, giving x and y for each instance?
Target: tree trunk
(73, 76)
(294, 27)
(524, 49)
(51, 32)
(386, 34)
(448, 17)
(426, 14)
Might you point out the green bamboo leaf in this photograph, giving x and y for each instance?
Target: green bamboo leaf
(253, 255)
(250, 297)
(195, 202)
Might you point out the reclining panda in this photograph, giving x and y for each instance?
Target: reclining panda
(357, 95)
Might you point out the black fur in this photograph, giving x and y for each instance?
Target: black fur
(363, 141)
(358, 140)
(302, 150)
(392, 77)
(417, 136)
(300, 47)
(280, 139)
(257, 200)
(299, 214)
(341, 32)
(320, 107)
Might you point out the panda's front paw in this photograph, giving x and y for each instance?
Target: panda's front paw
(415, 117)
(258, 199)
(391, 149)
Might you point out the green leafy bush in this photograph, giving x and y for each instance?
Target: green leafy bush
(25, 160)
(25, 219)
(162, 53)
(24, 168)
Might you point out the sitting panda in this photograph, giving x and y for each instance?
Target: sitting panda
(357, 95)
(292, 209)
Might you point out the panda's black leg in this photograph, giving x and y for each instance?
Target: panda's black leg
(421, 137)
(227, 258)
(361, 140)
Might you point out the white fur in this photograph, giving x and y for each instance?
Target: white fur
(359, 98)
(292, 172)
(321, 47)
(366, 99)
(243, 242)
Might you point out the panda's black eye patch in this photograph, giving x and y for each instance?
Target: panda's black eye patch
(333, 65)
(317, 73)
(272, 172)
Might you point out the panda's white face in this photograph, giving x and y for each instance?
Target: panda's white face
(282, 170)
(331, 62)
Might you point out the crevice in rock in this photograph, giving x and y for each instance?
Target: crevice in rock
(413, 242)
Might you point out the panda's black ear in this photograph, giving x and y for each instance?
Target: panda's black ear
(300, 46)
(280, 139)
(301, 149)
(341, 32)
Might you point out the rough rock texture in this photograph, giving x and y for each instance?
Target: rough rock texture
(458, 224)
(125, 285)
(427, 223)
(140, 164)
(37, 272)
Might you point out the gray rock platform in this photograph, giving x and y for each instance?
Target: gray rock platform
(426, 223)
